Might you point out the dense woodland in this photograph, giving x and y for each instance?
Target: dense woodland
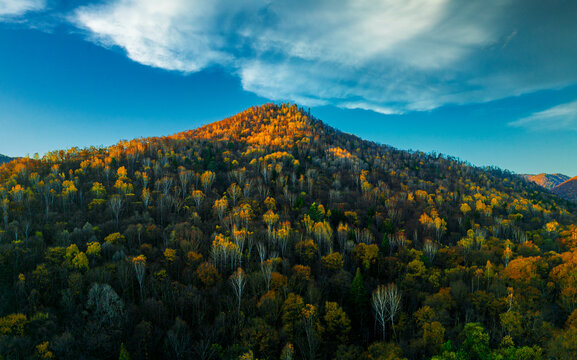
(4, 158)
(270, 235)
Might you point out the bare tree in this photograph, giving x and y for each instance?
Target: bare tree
(115, 204)
(393, 300)
(238, 281)
(266, 268)
(185, 176)
(178, 338)
(378, 300)
(430, 249)
(234, 191)
(106, 305)
(386, 301)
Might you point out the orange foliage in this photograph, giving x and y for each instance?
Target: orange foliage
(522, 268)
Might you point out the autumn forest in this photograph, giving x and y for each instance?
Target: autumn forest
(270, 235)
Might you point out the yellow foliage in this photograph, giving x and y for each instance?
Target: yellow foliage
(333, 261)
(13, 324)
(80, 261)
(93, 249)
(367, 254)
(115, 238)
(170, 255)
(43, 352)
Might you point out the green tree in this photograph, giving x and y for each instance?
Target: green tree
(124, 355)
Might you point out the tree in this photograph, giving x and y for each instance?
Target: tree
(220, 206)
(107, 307)
(197, 197)
(337, 323)
(238, 281)
(123, 355)
(475, 344)
(139, 263)
(178, 338)
(430, 249)
(208, 274)
(270, 218)
(291, 313)
(358, 292)
(309, 316)
(234, 191)
(185, 177)
(333, 261)
(206, 179)
(386, 302)
(393, 300)
(379, 303)
(115, 204)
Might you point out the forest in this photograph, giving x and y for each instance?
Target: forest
(270, 235)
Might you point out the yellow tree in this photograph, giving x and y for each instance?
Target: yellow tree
(337, 323)
(270, 218)
(206, 179)
(197, 197)
(220, 206)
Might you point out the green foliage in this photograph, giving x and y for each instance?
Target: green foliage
(358, 293)
(123, 355)
(475, 345)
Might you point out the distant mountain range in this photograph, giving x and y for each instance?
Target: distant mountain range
(4, 159)
(559, 184)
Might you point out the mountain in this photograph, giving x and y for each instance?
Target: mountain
(548, 181)
(4, 159)
(558, 184)
(567, 189)
(271, 235)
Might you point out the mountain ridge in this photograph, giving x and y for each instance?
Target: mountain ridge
(5, 159)
(559, 184)
(548, 181)
(567, 189)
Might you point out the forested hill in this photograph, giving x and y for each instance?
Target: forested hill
(4, 158)
(567, 189)
(270, 235)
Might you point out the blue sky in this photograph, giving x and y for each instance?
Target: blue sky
(492, 82)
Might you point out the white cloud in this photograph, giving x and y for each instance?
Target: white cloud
(560, 117)
(389, 56)
(11, 8)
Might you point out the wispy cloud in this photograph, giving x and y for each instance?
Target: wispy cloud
(13, 8)
(560, 117)
(385, 55)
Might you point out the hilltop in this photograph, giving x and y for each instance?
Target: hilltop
(271, 235)
(4, 159)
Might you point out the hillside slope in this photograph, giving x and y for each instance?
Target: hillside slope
(4, 159)
(558, 184)
(271, 235)
(548, 181)
(567, 189)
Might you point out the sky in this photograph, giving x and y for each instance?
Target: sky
(492, 82)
